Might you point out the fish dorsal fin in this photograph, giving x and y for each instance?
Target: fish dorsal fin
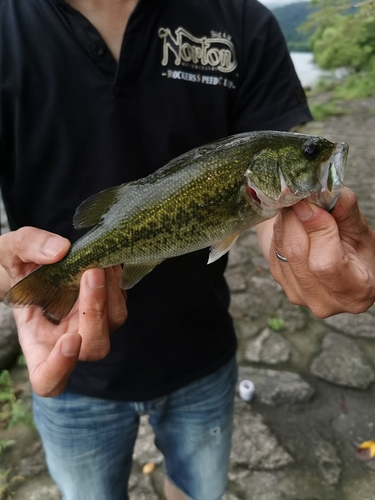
(221, 248)
(132, 273)
(91, 211)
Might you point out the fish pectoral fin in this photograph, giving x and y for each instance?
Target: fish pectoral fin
(221, 248)
(132, 273)
(91, 211)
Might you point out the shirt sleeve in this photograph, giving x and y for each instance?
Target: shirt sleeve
(270, 95)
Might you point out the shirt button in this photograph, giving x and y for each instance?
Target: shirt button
(97, 50)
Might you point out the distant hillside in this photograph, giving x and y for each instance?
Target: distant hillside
(290, 17)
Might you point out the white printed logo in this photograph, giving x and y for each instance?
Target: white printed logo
(216, 52)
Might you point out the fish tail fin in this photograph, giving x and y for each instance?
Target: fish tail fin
(55, 299)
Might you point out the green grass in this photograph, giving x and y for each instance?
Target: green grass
(276, 324)
(322, 111)
(353, 86)
(6, 483)
(12, 410)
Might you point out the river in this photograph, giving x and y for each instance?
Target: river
(308, 72)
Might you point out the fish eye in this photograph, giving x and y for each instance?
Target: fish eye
(310, 149)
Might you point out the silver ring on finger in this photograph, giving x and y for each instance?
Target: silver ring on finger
(280, 257)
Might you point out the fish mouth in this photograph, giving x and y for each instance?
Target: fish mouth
(330, 179)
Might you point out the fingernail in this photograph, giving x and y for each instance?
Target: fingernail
(53, 246)
(96, 278)
(70, 346)
(303, 210)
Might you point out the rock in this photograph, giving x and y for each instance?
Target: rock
(4, 225)
(254, 446)
(230, 496)
(145, 450)
(238, 255)
(289, 484)
(356, 325)
(361, 488)
(269, 347)
(354, 427)
(236, 473)
(9, 345)
(236, 282)
(294, 316)
(33, 461)
(264, 283)
(245, 305)
(257, 484)
(329, 462)
(134, 478)
(143, 490)
(277, 388)
(254, 303)
(245, 328)
(41, 488)
(260, 263)
(343, 363)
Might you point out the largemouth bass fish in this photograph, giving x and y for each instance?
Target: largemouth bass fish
(205, 198)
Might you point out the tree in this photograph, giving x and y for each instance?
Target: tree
(344, 34)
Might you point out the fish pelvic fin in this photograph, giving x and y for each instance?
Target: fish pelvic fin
(54, 299)
(221, 248)
(132, 273)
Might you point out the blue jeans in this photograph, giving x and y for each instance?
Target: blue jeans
(89, 442)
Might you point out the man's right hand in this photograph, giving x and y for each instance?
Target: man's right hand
(52, 351)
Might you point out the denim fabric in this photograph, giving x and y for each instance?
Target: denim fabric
(89, 442)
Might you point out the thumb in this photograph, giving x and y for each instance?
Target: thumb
(349, 218)
(317, 222)
(326, 249)
(345, 222)
(28, 245)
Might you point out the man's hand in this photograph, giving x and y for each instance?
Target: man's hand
(52, 351)
(330, 264)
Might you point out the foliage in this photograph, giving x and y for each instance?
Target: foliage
(6, 443)
(291, 17)
(21, 360)
(321, 111)
(344, 36)
(12, 410)
(356, 86)
(276, 324)
(6, 482)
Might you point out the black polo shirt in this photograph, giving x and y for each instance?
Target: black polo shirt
(74, 122)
